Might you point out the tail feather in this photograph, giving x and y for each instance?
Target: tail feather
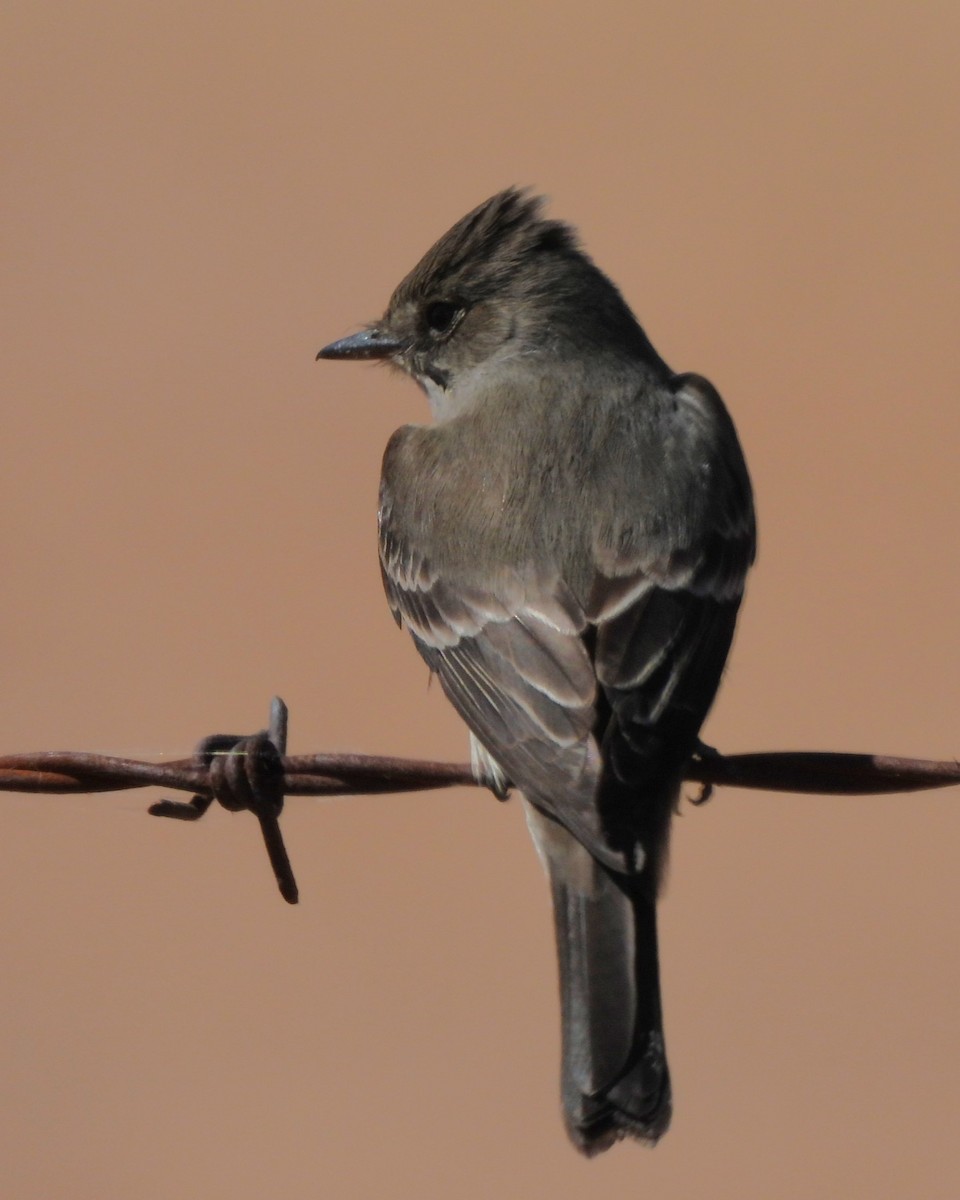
(615, 1081)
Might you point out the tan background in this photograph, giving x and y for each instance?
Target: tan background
(196, 197)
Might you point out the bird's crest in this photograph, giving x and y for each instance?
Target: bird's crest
(487, 247)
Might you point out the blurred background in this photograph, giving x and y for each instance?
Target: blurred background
(195, 198)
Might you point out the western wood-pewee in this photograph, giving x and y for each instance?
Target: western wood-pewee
(567, 545)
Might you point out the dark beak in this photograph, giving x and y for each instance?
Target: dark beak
(369, 343)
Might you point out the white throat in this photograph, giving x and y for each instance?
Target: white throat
(438, 397)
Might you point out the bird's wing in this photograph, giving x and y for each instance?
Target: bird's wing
(511, 660)
(664, 603)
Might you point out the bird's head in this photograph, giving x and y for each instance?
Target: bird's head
(504, 281)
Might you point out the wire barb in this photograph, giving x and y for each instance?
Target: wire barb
(245, 773)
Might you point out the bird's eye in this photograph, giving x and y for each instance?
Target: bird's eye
(440, 315)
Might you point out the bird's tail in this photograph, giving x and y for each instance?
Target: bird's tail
(615, 1081)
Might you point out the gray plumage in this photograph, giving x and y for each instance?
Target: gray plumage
(567, 545)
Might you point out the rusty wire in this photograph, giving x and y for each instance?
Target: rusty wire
(254, 773)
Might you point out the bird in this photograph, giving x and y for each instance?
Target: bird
(567, 542)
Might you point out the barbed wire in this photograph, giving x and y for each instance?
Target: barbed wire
(254, 772)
